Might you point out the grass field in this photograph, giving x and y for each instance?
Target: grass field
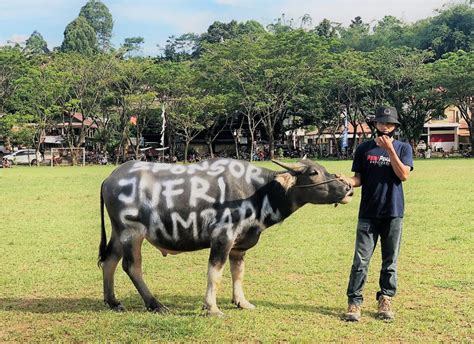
(51, 288)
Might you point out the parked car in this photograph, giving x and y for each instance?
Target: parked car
(24, 157)
(421, 146)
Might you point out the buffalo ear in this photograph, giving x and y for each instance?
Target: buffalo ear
(294, 168)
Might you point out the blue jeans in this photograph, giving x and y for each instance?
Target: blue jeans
(368, 232)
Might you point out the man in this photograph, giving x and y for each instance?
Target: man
(380, 166)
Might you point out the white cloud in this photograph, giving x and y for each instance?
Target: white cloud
(15, 39)
(236, 3)
(180, 19)
(342, 11)
(37, 8)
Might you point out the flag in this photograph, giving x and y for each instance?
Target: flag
(163, 125)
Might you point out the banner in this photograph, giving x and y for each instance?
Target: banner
(163, 125)
(345, 138)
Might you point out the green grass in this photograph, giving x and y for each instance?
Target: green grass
(51, 288)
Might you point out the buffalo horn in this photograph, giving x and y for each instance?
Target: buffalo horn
(295, 168)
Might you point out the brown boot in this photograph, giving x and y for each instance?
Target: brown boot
(385, 308)
(353, 313)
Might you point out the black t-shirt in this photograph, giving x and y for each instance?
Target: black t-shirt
(382, 190)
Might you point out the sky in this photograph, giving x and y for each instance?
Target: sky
(157, 20)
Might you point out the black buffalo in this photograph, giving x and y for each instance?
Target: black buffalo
(221, 204)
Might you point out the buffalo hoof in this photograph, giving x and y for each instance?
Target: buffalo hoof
(217, 314)
(115, 306)
(212, 313)
(158, 308)
(243, 304)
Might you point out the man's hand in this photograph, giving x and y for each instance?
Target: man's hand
(399, 168)
(384, 142)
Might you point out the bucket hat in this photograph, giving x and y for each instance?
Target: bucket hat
(386, 114)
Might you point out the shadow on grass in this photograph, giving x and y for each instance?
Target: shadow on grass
(179, 305)
(323, 310)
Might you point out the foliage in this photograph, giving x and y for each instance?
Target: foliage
(181, 48)
(451, 30)
(326, 29)
(240, 75)
(36, 44)
(80, 37)
(454, 76)
(39, 94)
(17, 127)
(99, 18)
(132, 44)
(12, 65)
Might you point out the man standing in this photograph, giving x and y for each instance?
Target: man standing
(380, 166)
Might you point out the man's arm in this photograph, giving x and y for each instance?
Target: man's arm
(356, 180)
(401, 170)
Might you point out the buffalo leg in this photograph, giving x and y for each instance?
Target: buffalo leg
(132, 264)
(109, 265)
(217, 259)
(237, 268)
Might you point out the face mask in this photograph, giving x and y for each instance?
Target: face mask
(390, 134)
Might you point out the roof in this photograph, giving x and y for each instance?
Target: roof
(77, 120)
(361, 129)
(441, 125)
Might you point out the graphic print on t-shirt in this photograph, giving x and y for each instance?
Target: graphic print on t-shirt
(378, 160)
(382, 190)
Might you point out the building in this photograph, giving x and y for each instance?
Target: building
(328, 139)
(450, 134)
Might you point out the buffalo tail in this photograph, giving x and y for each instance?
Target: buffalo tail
(103, 235)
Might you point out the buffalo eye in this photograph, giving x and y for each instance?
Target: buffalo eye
(313, 172)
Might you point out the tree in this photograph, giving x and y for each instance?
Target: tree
(38, 97)
(406, 82)
(454, 74)
(182, 48)
(192, 114)
(351, 83)
(135, 100)
(89, 81)
(449, 31)
(17, 129)
(132, 44)
(326, 29)
(250, 27)
(79, 37)
(356, 34)
(12, 66)
(219, 32)
(267, 73)
(36, 44)
(388, 32)
(99, 18)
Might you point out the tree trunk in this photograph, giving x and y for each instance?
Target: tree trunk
(471, 137)
(354, 135)
(236, 141)
(252, 143)
(186, 152)
(271, 144)
(336, 145)
(211, 151)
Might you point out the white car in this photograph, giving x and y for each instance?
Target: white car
(24, 157)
